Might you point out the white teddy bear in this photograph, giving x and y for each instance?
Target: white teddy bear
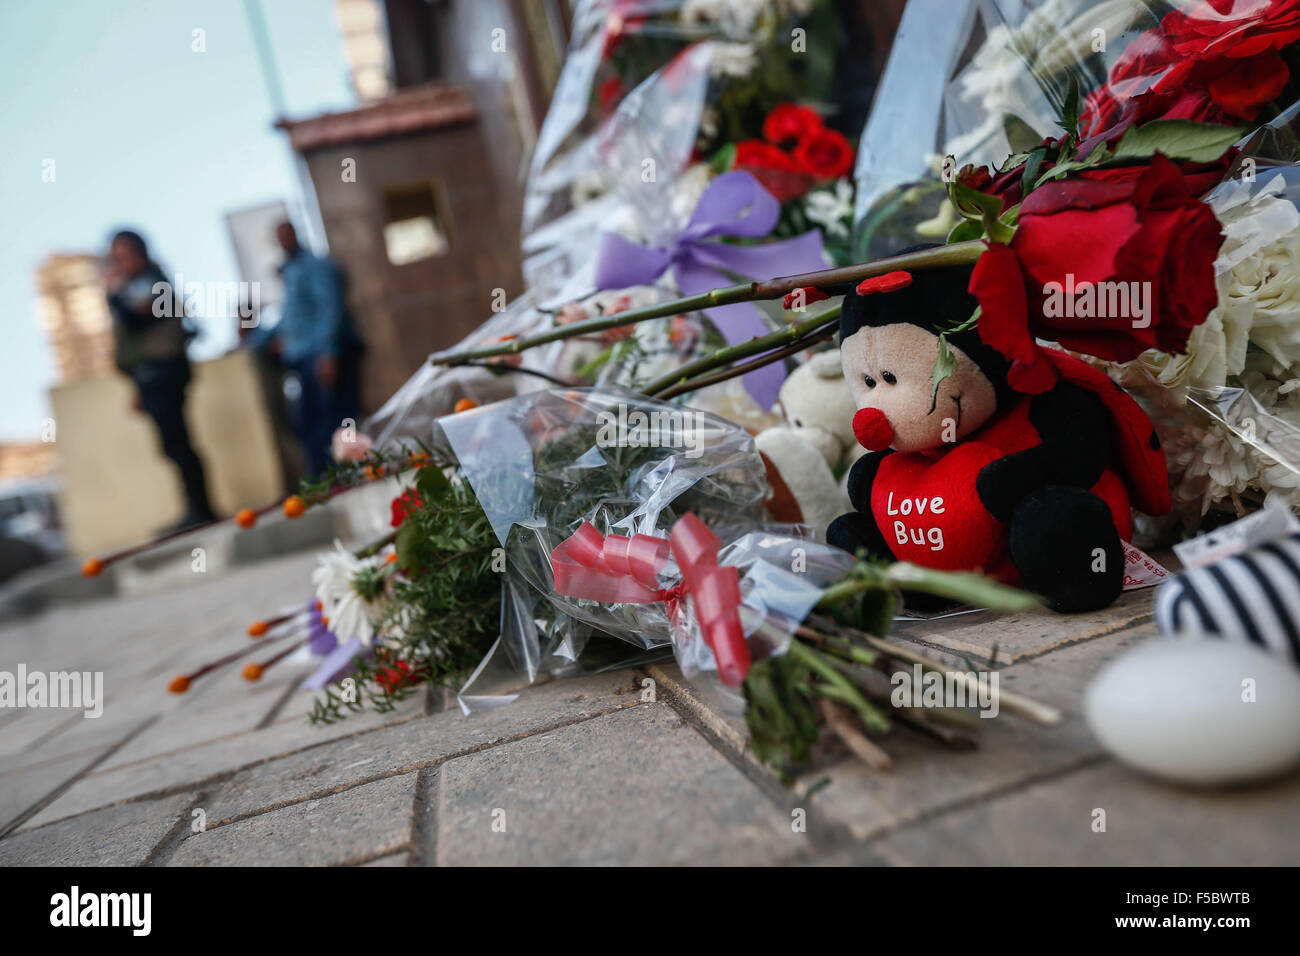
(817, 439)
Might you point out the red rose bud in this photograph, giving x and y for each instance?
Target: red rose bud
(889, 282)
(872, 429)
(810, 293)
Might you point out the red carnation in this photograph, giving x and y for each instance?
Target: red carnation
(404, 504)
(824, 154)
(789, 122)
(1146, 236)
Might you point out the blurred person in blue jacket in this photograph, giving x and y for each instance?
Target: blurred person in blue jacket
(150, 335)
(315, 339)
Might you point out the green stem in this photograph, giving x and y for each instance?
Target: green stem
(725, 356)
(705, 300)
(844, 689)
(735, 371)
(376, 546)
(957, 253)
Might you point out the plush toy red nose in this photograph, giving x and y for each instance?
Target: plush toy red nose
(872, 429)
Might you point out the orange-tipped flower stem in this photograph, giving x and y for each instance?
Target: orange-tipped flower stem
(255, 670)
(181, 684)
(96, 566)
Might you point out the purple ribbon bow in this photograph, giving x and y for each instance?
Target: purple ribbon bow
(734, 204)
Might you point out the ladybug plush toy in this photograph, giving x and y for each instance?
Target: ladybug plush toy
(1034, 490)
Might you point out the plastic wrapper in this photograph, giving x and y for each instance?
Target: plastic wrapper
(1227, 411)
(649, 87)
(1001, 76)
(652, 99)
(543, 464)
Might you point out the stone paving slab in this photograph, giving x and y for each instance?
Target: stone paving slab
(589, 770)
(206, 761)
(928, 777)
(637, 787)
(26, 788)
(368, 821)
(113, 836)
(990, 638)
(418, 743)
(1146, 824)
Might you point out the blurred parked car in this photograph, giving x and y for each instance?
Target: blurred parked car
(30, 533)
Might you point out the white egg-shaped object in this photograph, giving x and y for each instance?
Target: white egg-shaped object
(1198, 711)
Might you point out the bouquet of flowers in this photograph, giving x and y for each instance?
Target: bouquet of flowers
(527, 532)
(655, 102)
(1126, 82)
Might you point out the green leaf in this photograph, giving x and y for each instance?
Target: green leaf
(1070, 109)
(971, 203)
(876, 611)
(1176, 138)
(944, 365)
(966, 229)
(982, 207)
(1032, 165)
(1012, 161)
(431, 482)
(723, 159)
(406, 543)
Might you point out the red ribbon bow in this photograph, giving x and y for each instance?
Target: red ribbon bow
(621, 570)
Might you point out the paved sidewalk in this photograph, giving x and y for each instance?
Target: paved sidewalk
(634, 766)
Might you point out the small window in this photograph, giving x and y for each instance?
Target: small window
(415, 224)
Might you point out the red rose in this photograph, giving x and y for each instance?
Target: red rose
(1199, 177)
(774, 168)
(1247, 86)
(1219, 59)
(789, 122)
(1233, 28)
(1146, 237)
(824, 154)
(756, 154)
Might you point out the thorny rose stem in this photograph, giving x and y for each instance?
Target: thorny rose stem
(958, 253)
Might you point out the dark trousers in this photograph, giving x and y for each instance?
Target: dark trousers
(162, 396)
(321, 410)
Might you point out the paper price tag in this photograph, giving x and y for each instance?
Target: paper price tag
(1263, 526)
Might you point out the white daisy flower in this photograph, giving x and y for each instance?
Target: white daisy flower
(353, 593)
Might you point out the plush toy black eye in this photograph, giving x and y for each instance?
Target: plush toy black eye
(871, 382)
(889, 378)
(796, 422)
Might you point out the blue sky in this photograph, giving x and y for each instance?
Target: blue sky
(143, 131)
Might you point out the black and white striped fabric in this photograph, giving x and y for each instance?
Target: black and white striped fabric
(1252, 596)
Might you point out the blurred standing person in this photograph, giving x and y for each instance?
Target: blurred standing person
(315, 339)
(150, 334)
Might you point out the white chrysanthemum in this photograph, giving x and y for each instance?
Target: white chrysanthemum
(352, 593)
(1258, 279)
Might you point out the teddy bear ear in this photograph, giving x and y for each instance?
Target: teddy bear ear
(827, 364)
